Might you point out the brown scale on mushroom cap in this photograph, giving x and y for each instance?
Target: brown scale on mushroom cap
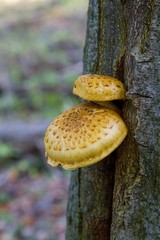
(95, 87)
(83, 135)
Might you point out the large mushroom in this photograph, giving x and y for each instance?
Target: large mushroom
(83, 135)
(88, 132)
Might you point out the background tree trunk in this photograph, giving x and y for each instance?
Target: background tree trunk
(122, 41)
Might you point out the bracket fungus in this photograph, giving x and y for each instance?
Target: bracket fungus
(101, 88)
(83, 135)
(87, 133)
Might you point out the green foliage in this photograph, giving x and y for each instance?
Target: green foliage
(4, 198)
(6, 151)
(7, 217)
(37, 54)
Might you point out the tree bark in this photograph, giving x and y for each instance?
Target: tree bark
(136, 202)
(123, 203)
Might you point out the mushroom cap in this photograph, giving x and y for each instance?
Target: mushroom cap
(83, 135)
(95, 87)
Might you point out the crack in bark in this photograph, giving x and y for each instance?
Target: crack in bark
(142, 145)
(132, 95)
(80, 218)
(99, 33)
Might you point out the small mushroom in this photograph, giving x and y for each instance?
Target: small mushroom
(83, 136)
(99, 88)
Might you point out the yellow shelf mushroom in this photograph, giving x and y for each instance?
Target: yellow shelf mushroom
(88, 132)
(95, 87)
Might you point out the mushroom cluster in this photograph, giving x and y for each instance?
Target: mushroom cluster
(89, 132)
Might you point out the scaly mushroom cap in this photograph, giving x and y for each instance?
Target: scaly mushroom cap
(83, 135)
(95, 87)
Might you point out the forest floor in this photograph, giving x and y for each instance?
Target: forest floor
(33, 207)
(41, 55)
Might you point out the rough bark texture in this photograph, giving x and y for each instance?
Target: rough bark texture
(136, 203)
(122, 40)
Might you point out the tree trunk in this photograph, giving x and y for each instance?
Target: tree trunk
(136, 202)
(122, 203)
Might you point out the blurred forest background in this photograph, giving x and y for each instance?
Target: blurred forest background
(41, 50)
